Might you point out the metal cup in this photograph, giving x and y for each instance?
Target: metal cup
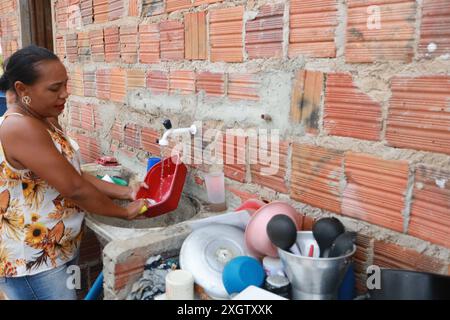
(315, 278)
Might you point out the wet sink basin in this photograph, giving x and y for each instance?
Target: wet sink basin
(109, 228)
(187, 209)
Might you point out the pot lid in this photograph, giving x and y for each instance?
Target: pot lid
(207, 250)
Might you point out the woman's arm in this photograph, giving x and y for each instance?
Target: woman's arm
(27, 142)
(114, 191)
(111, 190)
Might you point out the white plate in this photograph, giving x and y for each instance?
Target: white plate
(207, 250)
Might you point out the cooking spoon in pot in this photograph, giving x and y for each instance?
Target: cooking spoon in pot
(325, 231)
(343, 244)
(283, 233)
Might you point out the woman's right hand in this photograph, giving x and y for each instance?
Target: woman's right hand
(135, 207)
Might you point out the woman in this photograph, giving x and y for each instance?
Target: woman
(42, 189)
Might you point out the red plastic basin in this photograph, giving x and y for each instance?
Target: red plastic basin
(167, 197)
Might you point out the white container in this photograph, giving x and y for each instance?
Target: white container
(179, 285)
(273, 266)
(255, 293)
(215, 187)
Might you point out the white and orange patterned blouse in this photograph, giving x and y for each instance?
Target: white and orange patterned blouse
(39, 229)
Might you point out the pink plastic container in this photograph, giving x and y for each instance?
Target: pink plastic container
(256, 238)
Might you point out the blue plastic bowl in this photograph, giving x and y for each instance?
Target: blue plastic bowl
(241, 272)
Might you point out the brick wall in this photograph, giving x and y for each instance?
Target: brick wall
(362, 104)
(9, 27)
(90, 262)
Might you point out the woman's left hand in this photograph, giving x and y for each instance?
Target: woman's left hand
(133, 190)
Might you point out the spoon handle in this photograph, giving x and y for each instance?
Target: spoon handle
(295, 250)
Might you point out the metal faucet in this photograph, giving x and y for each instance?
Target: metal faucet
(164, 141)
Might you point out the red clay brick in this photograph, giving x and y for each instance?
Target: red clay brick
(118, 85)
(264, 169)
(306, 96)
(133, 9)
(72, 47)
(361, 260)
(101, 10)
(132, 136)
(76, 81)
(225, 31)
(375, 190)
(182, 82)
(74, 15)
(316, 175)
(90, 249)
(312, 28)
(135, 79)
(8, 6)
(243, 195)
(264, 34)
(149, 43)
(195, 41)
(103, 84)
(125, 271)
(173, 5)
(158, 82)
(89, 83)
(117, 131)
(419, 116)
(128, 44)
(390, 255)
(115, 9)
(75, 114)
(435, 27)
(87, 117)
(393, 40)
(152, 7)
(87, 12)
(308, 223)
(430, 210)
(200, 2)
(97, 45)
(83, 45)
(60, 47)
(61, 14)
(148, 141)
(234, 156)
(112, 45)
(213, 84)
(89, 148)
(349, 112)
(172, 40)
(243, 87)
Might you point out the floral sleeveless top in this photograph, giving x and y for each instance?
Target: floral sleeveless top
(39, 229)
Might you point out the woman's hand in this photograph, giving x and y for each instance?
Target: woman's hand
(133, 190)
(135, 208)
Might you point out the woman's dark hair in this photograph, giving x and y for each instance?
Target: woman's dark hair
(21, 66)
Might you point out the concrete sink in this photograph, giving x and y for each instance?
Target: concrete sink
(108, 228)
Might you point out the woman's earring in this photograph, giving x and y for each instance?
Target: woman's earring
(26, 100)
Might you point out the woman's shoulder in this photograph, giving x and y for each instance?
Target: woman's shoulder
(23, 129)
(14, 123)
